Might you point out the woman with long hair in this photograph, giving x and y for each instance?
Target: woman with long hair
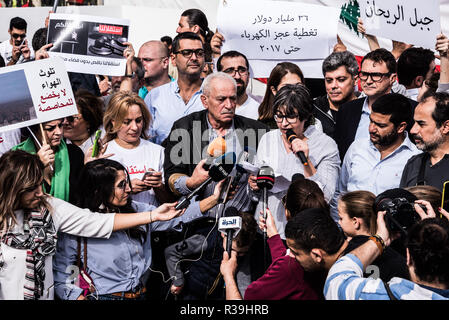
(118, 266)
(30, 220)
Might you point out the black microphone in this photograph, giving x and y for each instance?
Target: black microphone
(291, 135)
(297, 176)
(230, 225)
(265, 181)
(219, 170)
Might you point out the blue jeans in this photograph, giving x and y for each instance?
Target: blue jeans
(112, 297)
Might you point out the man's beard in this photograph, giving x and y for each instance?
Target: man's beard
(240, 89)
(431, 145)
(386, 140)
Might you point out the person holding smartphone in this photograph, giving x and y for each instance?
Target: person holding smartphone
(16, 50)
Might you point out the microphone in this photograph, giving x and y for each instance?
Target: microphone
(265, 181)
(215, 149)
(297, 176)
(230, 225)
(219, 170)
(291, 135)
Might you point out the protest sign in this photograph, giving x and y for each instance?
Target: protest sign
(277, 30)
(89, 44)
(34, 92)
(411, 21)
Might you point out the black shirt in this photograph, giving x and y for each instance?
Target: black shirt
(434, 175)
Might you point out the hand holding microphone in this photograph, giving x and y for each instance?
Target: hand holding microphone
(299, 146)
(230, 225)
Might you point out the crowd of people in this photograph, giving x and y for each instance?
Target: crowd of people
(363, 215)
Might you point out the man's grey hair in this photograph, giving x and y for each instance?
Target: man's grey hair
(337, 59)
(220, 76)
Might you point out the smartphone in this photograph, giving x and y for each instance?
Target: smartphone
(147, 174)
(445, 197)
(95, 148)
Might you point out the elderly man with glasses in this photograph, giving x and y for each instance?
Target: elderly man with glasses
(15, 50)
(174, 100)
(377, 76)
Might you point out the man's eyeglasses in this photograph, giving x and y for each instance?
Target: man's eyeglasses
(278, 117)
(187, 53)
(17, 35)
(72, 118)
(150, 59)
(375, 76)
(231, 71)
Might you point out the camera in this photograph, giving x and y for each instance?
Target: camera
(400, 214)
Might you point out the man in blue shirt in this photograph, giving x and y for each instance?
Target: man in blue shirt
(177, 99)
(376, 164)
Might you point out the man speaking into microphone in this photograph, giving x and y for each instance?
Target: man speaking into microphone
(186, 151)
(295, 147)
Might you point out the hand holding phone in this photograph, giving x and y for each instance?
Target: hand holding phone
(147, 174)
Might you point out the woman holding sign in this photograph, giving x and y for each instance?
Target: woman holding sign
(62, 161)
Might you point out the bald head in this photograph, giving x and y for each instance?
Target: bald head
(154, 57)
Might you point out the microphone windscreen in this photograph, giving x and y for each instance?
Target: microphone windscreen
(265, 177)
(297, 176)
(231, 212)
(217, 147)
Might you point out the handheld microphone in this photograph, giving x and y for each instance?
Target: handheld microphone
(215, 149)
(219, 170)
(265, 181)
(230, 225)
(297, 176)
(291, 135)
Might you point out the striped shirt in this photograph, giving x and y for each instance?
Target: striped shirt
(345, 282)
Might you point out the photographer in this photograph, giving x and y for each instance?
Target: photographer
(427, 249)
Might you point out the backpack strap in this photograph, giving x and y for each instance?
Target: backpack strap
(389, 292)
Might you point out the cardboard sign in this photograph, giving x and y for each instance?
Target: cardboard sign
(34, 92)
(411, 21)
(89, 44)
(276, 30)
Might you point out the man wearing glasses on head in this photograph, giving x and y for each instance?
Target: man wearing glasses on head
(377, 76)
(236, 65)
(174, 100)
(16, 50)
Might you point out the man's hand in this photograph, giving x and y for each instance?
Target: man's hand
(252, 181)
(166, 212)
(228, 266)
(442, 45)
(268, 225)
(26, 52)
(42, 53)
(216, 43)
(129, 52)
(199, 175)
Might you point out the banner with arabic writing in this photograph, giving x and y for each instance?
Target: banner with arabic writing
(277, 30)
(35, 92)
(411, 21)
(89, 44)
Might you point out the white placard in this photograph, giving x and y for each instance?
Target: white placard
(34, 92)
(411, 21)
(277, 30)
(89, 44)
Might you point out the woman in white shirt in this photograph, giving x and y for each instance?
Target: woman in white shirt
(293, 110)
(126, 122)
(30, 220)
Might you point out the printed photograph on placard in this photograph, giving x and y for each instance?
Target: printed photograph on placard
(107, 40)
(16, 104)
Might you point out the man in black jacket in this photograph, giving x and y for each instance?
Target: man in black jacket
(377, 75)
(183, 168)
(340, 70)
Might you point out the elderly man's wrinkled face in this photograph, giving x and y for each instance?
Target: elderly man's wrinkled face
(221, 100)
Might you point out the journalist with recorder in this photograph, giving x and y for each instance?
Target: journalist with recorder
(296, 147)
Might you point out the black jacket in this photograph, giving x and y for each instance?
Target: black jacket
(321, 112)
(191, 125)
